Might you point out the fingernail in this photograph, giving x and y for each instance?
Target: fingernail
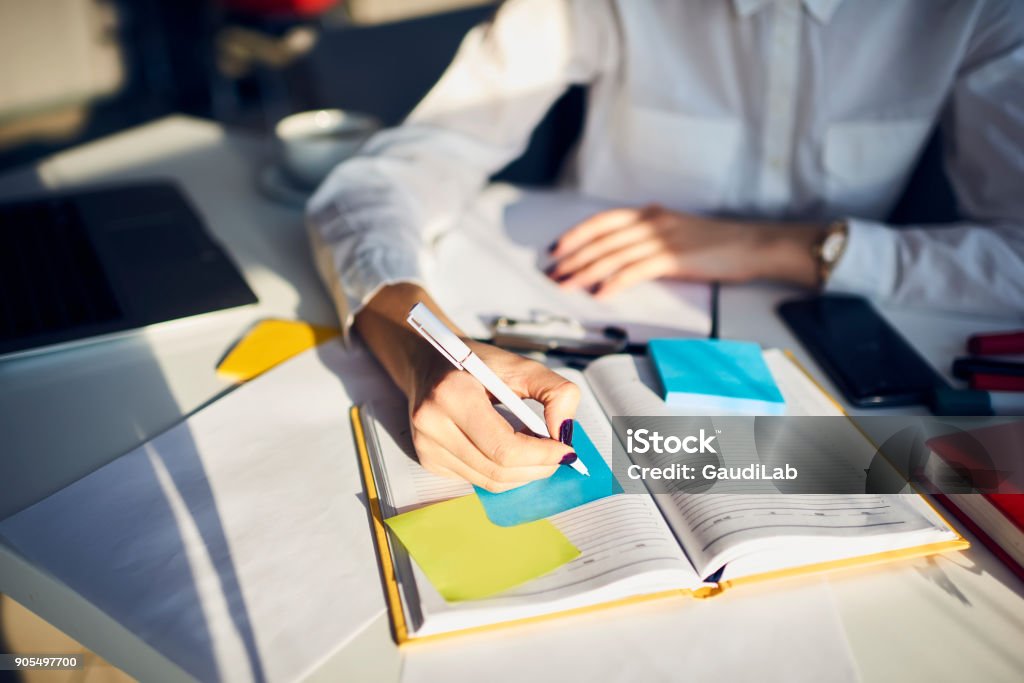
(550, 269)
(565, 432)
(562, 278)
(594, 289)
(568, 459)
(553, 246)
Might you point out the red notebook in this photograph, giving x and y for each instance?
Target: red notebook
(996, 518)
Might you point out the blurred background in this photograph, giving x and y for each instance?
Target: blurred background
(75, 70)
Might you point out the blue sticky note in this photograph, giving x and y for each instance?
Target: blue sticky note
(563, 490)
(715, 374)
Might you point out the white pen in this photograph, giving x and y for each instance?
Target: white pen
(462, 357)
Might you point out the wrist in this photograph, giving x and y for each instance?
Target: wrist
(400, 349)
(788, 253)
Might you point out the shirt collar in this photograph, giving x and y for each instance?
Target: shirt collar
(821, 9)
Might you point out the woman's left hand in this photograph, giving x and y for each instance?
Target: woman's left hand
(615, 249)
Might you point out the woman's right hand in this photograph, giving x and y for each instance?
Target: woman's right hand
(456, 430)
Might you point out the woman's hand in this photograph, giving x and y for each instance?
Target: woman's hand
(458, 433)
(615, 249)
(456, 430)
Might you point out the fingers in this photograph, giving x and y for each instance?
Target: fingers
(593, 252)
(493, 437)
(508, 448)
(594, 227)
(597, 271)
(649, 268)
(437, 459)
(559, 396)
(458, 458)
(608, 243)
(457, 430)
(504, 465)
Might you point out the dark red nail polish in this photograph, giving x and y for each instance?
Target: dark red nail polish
(550, 269)
(568, 459)
(565, 432)
(553, 246)
(562, 278)
(594, 289)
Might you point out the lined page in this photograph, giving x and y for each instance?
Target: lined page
(431, 488)
(626, 549)
(717, 529)
(613, 534)
(747, 519)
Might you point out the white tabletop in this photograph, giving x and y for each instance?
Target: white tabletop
(65, 414)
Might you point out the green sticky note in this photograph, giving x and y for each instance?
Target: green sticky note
(468, 557)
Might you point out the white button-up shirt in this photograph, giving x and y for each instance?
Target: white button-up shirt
(802, 110)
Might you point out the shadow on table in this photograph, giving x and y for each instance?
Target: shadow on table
(133, 547)
(132, 540)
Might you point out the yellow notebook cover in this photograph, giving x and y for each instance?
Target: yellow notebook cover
(397, 614)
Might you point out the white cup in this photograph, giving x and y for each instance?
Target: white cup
(311, 143)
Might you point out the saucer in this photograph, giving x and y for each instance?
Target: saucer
(275, 185)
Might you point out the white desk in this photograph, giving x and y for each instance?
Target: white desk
(747, 312)
(64, 415)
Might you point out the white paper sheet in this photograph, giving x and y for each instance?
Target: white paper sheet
(237, 543)
(492, 266)
(760, 633)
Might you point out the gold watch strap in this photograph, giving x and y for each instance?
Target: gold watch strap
(827, 262)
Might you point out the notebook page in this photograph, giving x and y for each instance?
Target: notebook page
(716, 529)
(626, 546)
(626, 550)
(491, 265)
(402, 483)
(719, 529)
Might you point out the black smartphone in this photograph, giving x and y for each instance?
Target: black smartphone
(870, 362)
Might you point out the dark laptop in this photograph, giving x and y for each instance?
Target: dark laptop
(94, 263)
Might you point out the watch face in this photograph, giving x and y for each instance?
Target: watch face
(832, 247)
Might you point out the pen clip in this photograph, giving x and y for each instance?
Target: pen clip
(426, 334)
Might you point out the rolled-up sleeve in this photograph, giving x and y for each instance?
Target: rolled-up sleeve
(976, 265)
(375, 214)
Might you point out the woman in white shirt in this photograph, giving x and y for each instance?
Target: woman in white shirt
(806, 116)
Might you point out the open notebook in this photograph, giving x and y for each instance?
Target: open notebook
(637, 545)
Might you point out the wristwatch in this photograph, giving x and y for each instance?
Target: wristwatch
(829, 249)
